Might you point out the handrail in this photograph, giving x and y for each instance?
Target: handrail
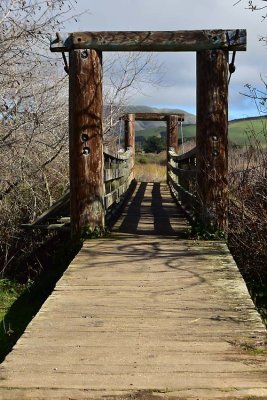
(118, 175)
(118, 156)
(181, 171)
(182, 157)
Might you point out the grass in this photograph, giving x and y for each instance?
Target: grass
(10, 291)
(150, 167)
(150, 173)
(240, 131)
(20, 303)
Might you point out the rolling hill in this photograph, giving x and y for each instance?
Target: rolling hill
(241, 131)
(143, 125)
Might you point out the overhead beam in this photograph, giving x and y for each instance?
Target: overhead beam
(154, 116)
(197, 40)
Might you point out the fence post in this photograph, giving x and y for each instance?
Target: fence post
(212, 137)
(86, 141)
(129, 138)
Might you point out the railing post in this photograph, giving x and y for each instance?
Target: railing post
(172, 137)
(86, 141)
(212, 137)
(129, 138)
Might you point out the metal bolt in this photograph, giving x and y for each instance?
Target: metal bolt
(86, 151)
(215, 153)
(214, 138)
(84, 54)
(85, 137)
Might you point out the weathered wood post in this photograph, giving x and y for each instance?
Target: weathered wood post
(172, 137)
(129, 136)
(86, 141)
(172, 132)
(212, 137)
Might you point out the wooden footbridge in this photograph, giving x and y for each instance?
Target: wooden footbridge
(143, 313)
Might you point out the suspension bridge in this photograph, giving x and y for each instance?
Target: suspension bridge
(145, 312)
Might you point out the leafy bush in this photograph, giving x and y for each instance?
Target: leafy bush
(154, 144)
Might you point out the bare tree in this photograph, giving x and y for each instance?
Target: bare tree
(124, 76)
(34, 112)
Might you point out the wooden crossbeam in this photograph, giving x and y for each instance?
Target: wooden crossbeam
(154, 116)
(197, 40)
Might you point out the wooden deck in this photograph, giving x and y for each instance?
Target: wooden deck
(143, 314)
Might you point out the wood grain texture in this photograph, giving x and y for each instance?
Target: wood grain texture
(143, 317)
(195, 40)
(155, 116)
(129, 138)
(86, 141)
(212, 137)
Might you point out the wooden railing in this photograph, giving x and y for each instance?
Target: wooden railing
(118, 175)
(182, 179)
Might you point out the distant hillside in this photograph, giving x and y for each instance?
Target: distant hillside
(143, 125)
(240, 130)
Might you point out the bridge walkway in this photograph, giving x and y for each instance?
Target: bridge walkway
(143, 314)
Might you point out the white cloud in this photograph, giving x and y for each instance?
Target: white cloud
(179, 80)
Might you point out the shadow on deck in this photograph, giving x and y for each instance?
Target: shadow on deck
(152, 211)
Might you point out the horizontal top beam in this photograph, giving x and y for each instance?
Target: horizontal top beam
(231, 39)
(153, 116)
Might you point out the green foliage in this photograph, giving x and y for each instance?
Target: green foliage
(154, 144)
(239, 131)
(9, 292)
(200, 232)
(151, 158)
(93, 233)
(20, 303)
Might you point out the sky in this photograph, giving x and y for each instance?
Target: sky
(178, 88)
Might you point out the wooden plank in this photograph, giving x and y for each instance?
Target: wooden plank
(86, 141)
(110, 174)
(191, 154)
(188, 173)
(143, 316)
(46, 227)
(180, 188)
(114, 196)
(212, 137)
(195, 40)
(118, 156)
(54, 210)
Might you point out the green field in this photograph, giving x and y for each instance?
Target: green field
(241, 132)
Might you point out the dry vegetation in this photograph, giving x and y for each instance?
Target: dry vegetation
(151, 167)
(248, 217)
(34, 116)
